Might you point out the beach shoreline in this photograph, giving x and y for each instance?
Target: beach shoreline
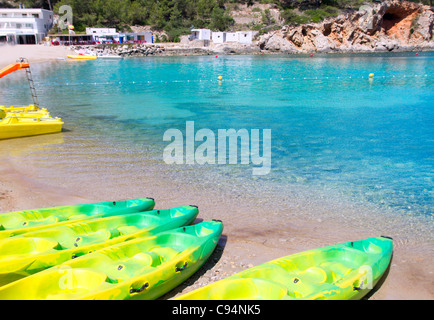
(240, 247)
(47, 53)
(34, 53)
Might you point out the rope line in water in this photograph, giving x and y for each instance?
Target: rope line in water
(221, 81)
(275, 79)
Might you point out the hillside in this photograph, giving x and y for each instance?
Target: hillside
(177, 17)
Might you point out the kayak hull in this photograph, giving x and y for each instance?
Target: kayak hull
(19, 222)
(142, 268)
(31, 252)
(342, 272)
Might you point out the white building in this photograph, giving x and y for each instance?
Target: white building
(219, 37)
(200, 34)
(231, 37)
(24, 26)
(244, 37)
(136, 37)
(103, 34)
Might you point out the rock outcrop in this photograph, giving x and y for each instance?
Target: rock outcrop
(386, 26)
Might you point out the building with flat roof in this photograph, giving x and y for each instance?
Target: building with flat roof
(24, 26)
(103, 35)
(136, 37)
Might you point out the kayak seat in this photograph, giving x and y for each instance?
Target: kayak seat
(165, 253)
(335, 270)
(88, 239)
(70, 283)
(43, 222)
(140, 263)
(124, 230)
(17, 246)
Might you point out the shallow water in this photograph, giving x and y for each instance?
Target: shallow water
(340, 140)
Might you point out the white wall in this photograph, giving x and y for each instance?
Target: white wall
(219, 37)
(201, 34)
(17, 22)
(245, 37)
(231, 37)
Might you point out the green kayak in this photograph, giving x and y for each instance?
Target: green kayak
(142, 268)
(31, 252)
(18, 222)
(340, 272)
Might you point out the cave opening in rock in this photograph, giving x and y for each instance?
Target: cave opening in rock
(390, 20)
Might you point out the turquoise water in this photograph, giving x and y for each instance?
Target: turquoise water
(333, 129)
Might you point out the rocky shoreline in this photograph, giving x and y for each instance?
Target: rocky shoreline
(387, 26)
(391, 25)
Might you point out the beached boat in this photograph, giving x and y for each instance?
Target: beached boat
(19, 222)
(142, 268)
(81, 57)
(13, 126)
(344, 271)
(31, 252)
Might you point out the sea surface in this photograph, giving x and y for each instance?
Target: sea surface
(336, 133)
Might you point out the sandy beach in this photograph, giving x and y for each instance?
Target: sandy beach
(245, 242)
(34, 53)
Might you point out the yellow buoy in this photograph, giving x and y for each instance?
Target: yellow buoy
(371, 75)
(220, 78)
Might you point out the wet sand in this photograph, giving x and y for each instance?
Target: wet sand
(248, 237)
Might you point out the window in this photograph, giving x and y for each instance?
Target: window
(35, 15)
(18, 26)
(29, 25)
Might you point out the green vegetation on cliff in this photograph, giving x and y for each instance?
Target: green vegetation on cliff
(177, 17)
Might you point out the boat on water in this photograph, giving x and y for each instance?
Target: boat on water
(31, 111)
(81, 57)
(29, 120)
(15, 127)
(110, 57)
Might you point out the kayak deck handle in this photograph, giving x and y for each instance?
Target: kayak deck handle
(358, 288)
(181, 268)
(142, 288)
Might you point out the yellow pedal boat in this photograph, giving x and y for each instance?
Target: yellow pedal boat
(30, 111)
(14, 127)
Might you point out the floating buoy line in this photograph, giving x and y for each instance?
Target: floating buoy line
(220, 79)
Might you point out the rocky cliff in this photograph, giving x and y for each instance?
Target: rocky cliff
(387, 26)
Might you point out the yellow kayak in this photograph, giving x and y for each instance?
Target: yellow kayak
(31, 252)
(142, 268)
(81, 57)
(346, 271)
(14, 127)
